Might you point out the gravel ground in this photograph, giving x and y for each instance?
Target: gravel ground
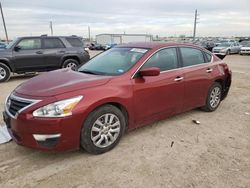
(214, 154)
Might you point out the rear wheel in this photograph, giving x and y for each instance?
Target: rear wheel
(213, 98)
(4, 72)
(102, 129)
(70, 63)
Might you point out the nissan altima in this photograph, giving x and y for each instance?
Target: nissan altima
(121, 89)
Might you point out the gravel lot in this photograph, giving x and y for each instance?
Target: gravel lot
(214, 154)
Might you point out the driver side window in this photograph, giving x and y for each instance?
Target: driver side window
(30, 44)
(165, 59)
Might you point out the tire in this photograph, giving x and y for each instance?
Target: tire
(228, 52)
(95, 133)
(213, 98)
(70, 63)
(4, 72)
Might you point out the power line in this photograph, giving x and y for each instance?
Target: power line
(4, 25)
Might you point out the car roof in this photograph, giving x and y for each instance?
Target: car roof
(43, 36)
(155, 45)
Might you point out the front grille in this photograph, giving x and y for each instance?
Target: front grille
(15, 104)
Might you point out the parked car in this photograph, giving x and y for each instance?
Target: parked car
(108, 46)
(226, 48)
(96, 47)
(2, 45)
(121, 89)
(245, 49)
(36, 54)
(244, 43)
(209, 45)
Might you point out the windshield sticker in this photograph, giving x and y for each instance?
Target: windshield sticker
(120, 70)
(139, 50)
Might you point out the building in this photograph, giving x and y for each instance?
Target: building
(122, 38)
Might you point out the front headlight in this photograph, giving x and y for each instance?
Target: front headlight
(58, 109)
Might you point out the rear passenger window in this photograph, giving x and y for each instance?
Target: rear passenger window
(52, 43)
(165, 60)
(75, 42)
(209, 57)
(191, 56)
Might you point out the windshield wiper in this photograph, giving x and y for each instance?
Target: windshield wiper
(91, 72)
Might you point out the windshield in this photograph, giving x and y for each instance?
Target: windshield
(247, 45)
(115, 61)
(224, 44)
(11, 44)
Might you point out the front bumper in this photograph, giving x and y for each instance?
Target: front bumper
(245, 52)
(48, 134)
(220, 53)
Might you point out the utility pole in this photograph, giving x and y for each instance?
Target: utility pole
(195, 22)
(51, 27)
(6, 34)
(89, 32)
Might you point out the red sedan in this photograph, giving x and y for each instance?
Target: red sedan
(123, 88)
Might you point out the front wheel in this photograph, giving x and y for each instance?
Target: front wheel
(213, 98)
(102, 129)
(4, 72)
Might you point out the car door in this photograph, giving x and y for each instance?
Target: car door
(197, 76)
(28, 54)
(237, 46)
(54, 50)
(157, 97)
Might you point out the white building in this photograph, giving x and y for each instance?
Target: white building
(122, 38)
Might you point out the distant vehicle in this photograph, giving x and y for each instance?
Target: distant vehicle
(37, 54)
(96, 47)
(2, 45)
(244, 43)
(226, 48)
(108, 46)
(209, 45)
(245, 49)
(218, 42)
(121, 89)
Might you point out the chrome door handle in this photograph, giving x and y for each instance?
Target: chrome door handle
(178, 78)
(209, 70)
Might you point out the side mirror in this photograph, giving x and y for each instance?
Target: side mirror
(153, 71)
(17, 48)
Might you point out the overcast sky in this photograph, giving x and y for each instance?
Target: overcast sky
(157, 17)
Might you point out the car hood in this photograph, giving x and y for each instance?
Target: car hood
(59, 82)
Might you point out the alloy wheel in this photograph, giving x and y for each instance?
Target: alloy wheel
(215, 97)
(2, 73)
(105, 130)
(71, 65)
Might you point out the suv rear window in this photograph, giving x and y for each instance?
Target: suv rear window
(75, 42)
(53, 43)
